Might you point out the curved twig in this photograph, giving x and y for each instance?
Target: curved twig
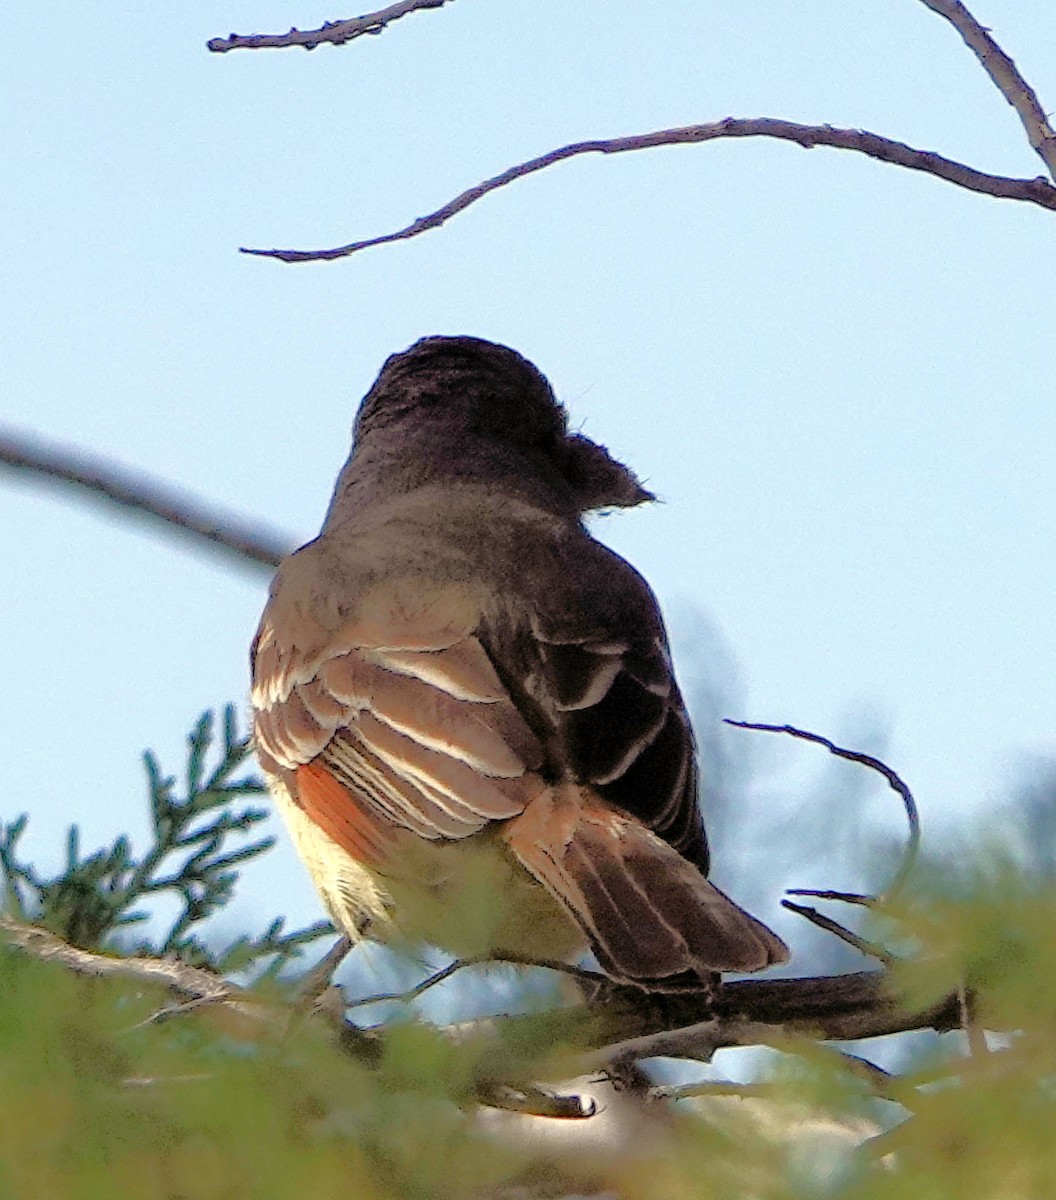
(895, 782)
(103, 480)
(334, 32)
(1034, 191)
(1005, 75)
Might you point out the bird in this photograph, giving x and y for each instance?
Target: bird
(464, 704)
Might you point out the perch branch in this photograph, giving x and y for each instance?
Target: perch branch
(1034, 191)
(102, 480)
(742, 1013)
(1006, 77)
(895, 782)
(628, 1023)
(334, 32)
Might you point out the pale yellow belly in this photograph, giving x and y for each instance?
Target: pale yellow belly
(469, 897)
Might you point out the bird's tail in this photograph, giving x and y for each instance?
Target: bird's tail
(651, 917)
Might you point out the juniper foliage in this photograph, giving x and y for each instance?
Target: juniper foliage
(204, 828)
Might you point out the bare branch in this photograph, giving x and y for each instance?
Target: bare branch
(879, 1079)
(194, 986)
(334, 32)
(103, 480)
(974, 1032)
(1005, 75)
(880, 1082)
(321, 976)
(895, 782)
(838, 930)
(1034, 191)
(844, 897)
(317, 993)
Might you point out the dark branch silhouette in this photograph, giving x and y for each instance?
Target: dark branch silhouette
(75, 471)
(1032, 191)
(895, 782)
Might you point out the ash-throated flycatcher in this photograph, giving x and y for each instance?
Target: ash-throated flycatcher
(465, 705)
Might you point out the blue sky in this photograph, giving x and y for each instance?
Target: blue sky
(836, 374)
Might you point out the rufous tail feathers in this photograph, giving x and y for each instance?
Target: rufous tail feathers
(651, 917)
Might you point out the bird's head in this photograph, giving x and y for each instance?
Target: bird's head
(464, 392)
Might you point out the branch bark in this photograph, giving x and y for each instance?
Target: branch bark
(1031, 191)
(755, 1012)
(334, 32)
(203, 524)
(187, 983)
(1006, 78)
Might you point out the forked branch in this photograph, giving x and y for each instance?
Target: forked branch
(1006, 77)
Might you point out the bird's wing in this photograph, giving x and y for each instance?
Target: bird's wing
(620, 840)
(617, 718)
(394, 719)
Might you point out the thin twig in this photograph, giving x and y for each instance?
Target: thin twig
(499, 958)
(419, 989)
(858, 898)
(196, 1004)
(585, 974)
(1006, 77)
(107, 481)
(874, 764)
(334, 32)
(146, 1081)
(838, 930)
(1034, 191)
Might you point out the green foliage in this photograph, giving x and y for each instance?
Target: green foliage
(193, 856)
(107, 1092)
(99, 1105)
